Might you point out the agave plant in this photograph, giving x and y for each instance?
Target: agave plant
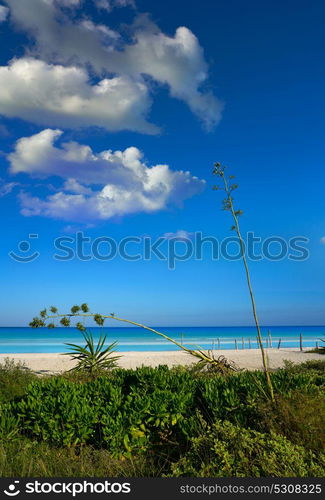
(214, 364)
(93, 358)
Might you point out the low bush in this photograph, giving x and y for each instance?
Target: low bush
(237, 398)
(9, 424)
(14, 379)
(129, 412)
(315, 365)
(300, 417)
(171, 421)
(228, 450)
(134, 410)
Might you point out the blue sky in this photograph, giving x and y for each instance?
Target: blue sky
(186, 84)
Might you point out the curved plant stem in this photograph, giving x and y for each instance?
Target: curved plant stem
(198, 354)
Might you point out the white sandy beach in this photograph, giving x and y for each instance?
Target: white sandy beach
(249, 359)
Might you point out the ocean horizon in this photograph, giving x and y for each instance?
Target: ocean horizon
(43, 340)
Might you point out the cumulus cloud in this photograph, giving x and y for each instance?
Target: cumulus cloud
(322, 240)
(96, 186)
(175, 61)
(4, 11)
(63, 96)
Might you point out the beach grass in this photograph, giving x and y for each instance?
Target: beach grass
(30, 458)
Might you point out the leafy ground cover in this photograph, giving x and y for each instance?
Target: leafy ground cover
(162, 422)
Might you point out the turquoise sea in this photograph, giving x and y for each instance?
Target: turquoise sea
(20, 340)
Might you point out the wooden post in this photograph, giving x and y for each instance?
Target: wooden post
(236, 346)
(300, 341)
(218, 343)
(249, 343)
(242, 343)
(267, 342)
(316, 345)
(182, 338)
(270, 339)
(279, 344)
(213, 345)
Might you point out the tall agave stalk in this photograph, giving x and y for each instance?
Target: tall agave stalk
(228, 205)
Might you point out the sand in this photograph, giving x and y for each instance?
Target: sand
(249, 359)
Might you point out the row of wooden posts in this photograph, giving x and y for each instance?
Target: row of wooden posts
(266, 343)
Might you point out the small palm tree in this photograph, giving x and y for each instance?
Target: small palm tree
(93, 358)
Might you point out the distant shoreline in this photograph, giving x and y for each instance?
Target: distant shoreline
(250, 359)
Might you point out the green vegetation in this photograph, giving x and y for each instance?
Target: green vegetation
(229, 450)
(162, 422)
(14, 378)
(93, 358)
(28, 458)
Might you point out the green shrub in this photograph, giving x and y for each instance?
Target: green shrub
(300, 417)
(14, 378)
(316, 365)
(228, 450)
(128, 412)
(157, 409)
(58, 411)
(238, 397)
(9, 424)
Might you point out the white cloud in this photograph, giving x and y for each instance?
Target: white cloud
(65, 3)
(110, 4)
(97, 186)
(73, 228)
(62, 96)
(7, 187)
(180, 234)
(4, 11)
(176, 61)
(322, 240)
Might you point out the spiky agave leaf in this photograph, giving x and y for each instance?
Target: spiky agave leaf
(93, 358)
(211, 363)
